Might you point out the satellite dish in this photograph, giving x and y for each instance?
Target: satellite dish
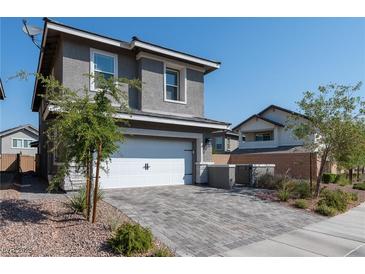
(31, 30)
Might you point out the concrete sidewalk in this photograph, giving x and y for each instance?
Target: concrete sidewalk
(342, 235)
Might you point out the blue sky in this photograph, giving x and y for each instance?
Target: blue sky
(264, 60)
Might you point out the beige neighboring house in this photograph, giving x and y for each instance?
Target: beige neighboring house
(2, 92)
(224, 141)
(265, 139)
(18, 140)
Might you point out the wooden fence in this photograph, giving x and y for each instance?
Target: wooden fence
(18, 163)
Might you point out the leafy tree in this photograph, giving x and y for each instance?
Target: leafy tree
(332, 111)
(85, 123)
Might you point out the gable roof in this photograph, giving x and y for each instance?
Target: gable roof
(2, 92)
(258, 117)
(18, 128)
(283, 109)
(135, 44)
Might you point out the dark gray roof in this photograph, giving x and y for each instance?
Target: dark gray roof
(280, 149)
(181, 118)
(283, 109)
(226, 132)
(258, 117)
(2, 92)
(14, 129)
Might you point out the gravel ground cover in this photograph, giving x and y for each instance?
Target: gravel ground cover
(46, 227)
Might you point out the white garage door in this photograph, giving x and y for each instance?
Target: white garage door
(145, 161)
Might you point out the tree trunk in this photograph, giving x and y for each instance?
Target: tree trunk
(320, 173)
(358, 173)
(88, 188)
(95, 200)
(363, 170)
(350, 175)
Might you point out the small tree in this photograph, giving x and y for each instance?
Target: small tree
(352, 155)
(331, 112)
(85, 125)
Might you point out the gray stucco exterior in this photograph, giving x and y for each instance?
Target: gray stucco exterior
(7, 140)
(230, 142)
(71, 63)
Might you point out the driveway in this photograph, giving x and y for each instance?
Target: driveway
(202, 221)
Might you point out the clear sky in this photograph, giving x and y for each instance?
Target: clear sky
(264, 61)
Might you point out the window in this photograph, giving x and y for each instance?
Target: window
(26, 143)
(17, 143)
(219, 143)
(102, 64)
(172, 84)
(21, 143)
(264, 136)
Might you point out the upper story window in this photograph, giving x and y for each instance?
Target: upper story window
(264, 136)
(21, 143)
(175, 88)
(172, 84)
(102, 63)
(219, 143)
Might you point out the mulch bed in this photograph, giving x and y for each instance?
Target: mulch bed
(46, 227)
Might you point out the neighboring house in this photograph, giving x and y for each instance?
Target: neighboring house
(2, 92)
(224, 141)
(265, 139)
(17, 140)
(169, 139)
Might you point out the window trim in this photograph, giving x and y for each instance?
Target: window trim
(182, 82)
(92, 69)
(22, 139)
(264, 133)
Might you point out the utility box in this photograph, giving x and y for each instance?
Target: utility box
(222, 176)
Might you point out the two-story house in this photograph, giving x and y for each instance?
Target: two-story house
(18, 140)
(264, 138)
(168, 140)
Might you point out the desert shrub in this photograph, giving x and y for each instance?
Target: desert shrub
(336, 199)
(360, 186)
(302, 190)
(342, 180)
(162, 252)
(301, 203)
(352, 197)
(285, 191)
(329, 178)
(77, 202)
(269, 181)
(130, 239)
(326, 210)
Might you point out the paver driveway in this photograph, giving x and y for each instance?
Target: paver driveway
(203, 221)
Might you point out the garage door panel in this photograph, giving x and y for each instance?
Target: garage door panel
(168, 162)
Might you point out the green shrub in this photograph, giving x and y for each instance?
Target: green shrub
(162, 252)
(266, 181)
(352, 197)
(285, 191)
(336, 199)
(360, 186)
(342, 180)
(301, 203)
(77, 202)
(130, 239)
(329, 178)
(302, 190)
(326, 210)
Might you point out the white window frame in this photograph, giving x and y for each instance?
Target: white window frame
(215, 143)
(181, 82)
(22, 146)
(92, 67)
